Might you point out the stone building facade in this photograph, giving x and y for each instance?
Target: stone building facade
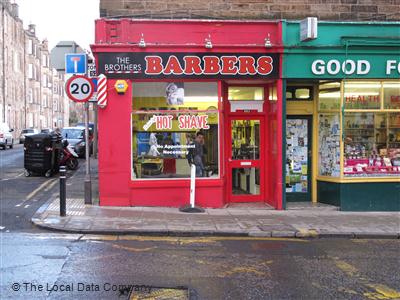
(332, 10)
(31, 91)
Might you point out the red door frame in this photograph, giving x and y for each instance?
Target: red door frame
(261, 163)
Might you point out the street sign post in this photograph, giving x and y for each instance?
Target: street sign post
(75, 63)
(79, 88)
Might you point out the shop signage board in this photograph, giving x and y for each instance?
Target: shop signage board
(188, 65)
(341, 66)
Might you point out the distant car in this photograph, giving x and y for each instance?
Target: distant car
(6, 138)
(27, 132)
(91, 127)
(46, 130)
(76, 138)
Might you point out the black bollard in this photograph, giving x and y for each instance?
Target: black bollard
(63, 182)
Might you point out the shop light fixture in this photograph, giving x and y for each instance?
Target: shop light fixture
(208, 43)
(362, 85)
(142, 43)
(268, 43)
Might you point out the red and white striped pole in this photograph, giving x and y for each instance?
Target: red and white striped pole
(102, 91)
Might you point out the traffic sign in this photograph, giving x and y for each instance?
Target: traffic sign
(92, 70)
(75, 63)
(79, 88)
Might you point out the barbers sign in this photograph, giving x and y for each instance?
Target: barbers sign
(188, 65)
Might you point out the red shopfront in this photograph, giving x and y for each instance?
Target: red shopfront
(208, 89)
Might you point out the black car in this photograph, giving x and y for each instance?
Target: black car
(76, 138)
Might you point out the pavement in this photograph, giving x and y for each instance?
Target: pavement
(300, 220)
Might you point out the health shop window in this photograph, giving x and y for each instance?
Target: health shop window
(372, 144)
(174, 125)
(391, 95)
(362, 95)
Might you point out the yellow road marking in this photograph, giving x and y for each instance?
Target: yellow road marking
(96, 237)
(50, 186)
(210, 239)
(133, 249)
(381, 291)
(33, 193)
(161, 294)
(345, 267)
(241, 270)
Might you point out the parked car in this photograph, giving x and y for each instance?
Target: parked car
(91, 127)
(27, 132)
(46, 130)
(6, 138)
(76, 138)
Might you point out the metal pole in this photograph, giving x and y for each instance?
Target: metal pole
(88, 182)
(95, 131)
(63, 202)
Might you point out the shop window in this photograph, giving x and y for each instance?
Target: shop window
(299, 93)
(362, 95)
(372, 144)
(329, 144)
(329, 96)
(174, 125)
(391, 92)
(245, 93)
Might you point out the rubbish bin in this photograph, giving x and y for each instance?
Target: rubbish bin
(42, 154)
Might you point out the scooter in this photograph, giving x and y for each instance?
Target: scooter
(69, 157)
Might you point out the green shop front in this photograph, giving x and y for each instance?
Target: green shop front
(343, 115)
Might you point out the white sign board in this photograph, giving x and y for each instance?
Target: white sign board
(308, 29)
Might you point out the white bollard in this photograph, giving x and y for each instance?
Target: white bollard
(191, 208)
(192, 184)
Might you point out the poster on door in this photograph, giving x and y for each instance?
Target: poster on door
(296, 156)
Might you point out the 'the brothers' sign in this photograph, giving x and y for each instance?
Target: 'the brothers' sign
(188, 65)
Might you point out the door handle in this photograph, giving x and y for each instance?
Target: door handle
(229, 159)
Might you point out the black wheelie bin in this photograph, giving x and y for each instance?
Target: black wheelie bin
(42, 154)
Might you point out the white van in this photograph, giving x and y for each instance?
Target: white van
(6, 138)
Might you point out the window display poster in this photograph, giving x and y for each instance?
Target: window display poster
(175, 93)
(329, 145)
(296, 153)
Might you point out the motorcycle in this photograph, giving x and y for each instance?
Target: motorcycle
(69, 157)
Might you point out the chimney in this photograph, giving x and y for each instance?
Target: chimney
(32, 28)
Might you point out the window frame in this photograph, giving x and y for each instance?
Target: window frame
(218, 111)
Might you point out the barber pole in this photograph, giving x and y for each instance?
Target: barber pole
(102, 91)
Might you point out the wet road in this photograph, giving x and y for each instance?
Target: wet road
(37, 264)
(20, 196)
(90, 267)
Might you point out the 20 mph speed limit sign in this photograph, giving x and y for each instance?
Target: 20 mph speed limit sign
(79, 88)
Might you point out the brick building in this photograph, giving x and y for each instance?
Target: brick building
(31, 91)
(332, 10)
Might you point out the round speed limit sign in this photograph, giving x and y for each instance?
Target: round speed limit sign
(79, 88)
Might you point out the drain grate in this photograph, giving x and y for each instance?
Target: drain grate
(161, 294)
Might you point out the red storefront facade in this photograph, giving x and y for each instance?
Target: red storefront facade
(225, 78)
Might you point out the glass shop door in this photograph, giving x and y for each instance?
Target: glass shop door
(298, 158)
(246, 159)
